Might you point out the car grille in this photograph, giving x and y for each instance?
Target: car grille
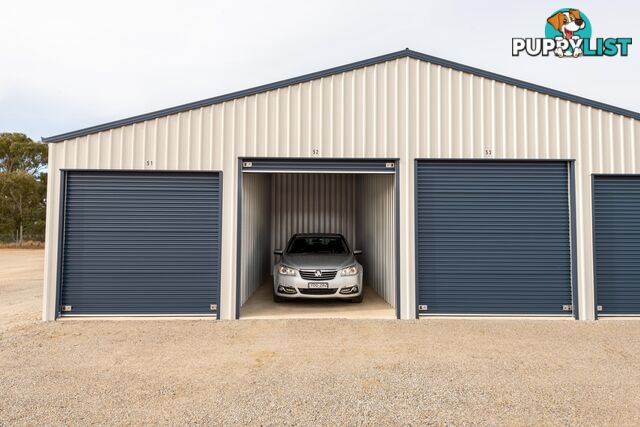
(324, 275)
(314, 291)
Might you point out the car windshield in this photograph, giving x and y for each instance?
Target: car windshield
(318, 245)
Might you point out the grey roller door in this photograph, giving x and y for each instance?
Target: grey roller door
(493, 238)
(139, 243)
(616, 217)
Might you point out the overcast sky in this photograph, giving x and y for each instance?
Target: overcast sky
(66, 65)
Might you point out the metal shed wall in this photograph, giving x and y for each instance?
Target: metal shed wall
(375, 227)
(403, 108)
(310, 203)
(256, 233)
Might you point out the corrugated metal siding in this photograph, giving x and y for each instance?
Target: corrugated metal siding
(493, 237)
(375, 226)
(256, 233)
(404, 109)
(312, 203)
(617, 244)
(141, 243)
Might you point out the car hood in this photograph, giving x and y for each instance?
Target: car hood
(318, 261)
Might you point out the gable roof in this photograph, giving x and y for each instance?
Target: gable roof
(337, 70)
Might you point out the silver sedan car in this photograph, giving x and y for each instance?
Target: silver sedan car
(317, 266)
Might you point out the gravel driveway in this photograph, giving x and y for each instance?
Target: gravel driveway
(310, 372)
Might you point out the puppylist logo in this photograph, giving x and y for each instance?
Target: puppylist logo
(568, 35)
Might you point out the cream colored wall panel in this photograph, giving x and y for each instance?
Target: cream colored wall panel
(485, 142)
(335, 114)
(369, 110)
(161, 146)
(635, 140)
(139, 149)
(454, 106)
(171, 151)
(114, 149)
(324, 118)
(401, 131)
(217, 135)
(379, 118)
(510, 128)
(346, 145)
(626, 131)
(238, 125)
(183, 141)
(271, 112)
(72, 147)
(305, 120)
(51, 235)
(229, 217)
(529, 123)
(292, 121)
(250, 131)
(422, 106)
(433, 121)
(412, 115)
(357, 113)
(194, 144)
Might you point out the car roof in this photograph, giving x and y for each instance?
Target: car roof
(318, 235)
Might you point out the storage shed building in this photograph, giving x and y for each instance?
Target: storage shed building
(470, 193)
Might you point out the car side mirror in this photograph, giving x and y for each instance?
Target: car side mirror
(278, 252)
(357, 252)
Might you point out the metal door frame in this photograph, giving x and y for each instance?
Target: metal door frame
(64, 173)
(593, 239)
(571, 194)
(334, 163)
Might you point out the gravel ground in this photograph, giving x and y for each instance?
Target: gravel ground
(310, 372)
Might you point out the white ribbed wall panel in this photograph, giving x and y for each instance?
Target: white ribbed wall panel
(256, 233)
(312, 203)
(375, 227)
(404, 108)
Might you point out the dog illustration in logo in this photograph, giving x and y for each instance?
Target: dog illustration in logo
(567, 23)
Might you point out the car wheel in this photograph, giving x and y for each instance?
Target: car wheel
(277, 298)
(359, 298)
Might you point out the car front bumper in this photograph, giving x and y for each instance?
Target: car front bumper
(302, 290)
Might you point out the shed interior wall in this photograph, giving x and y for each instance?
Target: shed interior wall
(375, 213)
(256, 233)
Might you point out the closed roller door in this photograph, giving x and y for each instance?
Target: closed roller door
(617, 244)
(493, 238)
(139, 243)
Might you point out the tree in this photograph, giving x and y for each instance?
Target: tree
(23, 183)
(19, 153)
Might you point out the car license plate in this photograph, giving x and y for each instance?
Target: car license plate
(318, 285)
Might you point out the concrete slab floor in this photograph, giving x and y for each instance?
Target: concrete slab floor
(261, 306)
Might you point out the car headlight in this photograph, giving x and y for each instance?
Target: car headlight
(349, 271)
(286, 271)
